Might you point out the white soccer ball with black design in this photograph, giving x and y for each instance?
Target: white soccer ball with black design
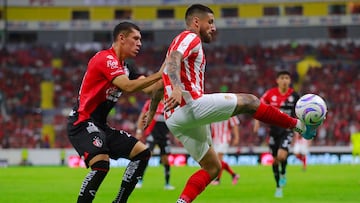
(311, 109)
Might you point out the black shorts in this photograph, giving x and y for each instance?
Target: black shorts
(280, 140)
(159, 136)
(89, 140)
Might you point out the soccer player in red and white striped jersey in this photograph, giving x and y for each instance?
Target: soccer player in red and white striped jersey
(189, 111)
(225, 133)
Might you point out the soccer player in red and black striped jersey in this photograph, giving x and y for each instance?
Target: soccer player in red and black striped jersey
(156, 134)
(189, 111)
(107, 76)
(284, 98)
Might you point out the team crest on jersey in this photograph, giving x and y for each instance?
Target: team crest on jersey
(113, 94)
(291, 98)
(274, 98)
(97, 142)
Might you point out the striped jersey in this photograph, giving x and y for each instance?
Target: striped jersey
(221, 131)
(192, 68)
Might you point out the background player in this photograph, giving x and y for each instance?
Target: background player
(107, 76)
(189, 111)
(224, 134)
(301, 149)
(284, 98)
(156, 134)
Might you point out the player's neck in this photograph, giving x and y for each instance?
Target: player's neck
(283, 90)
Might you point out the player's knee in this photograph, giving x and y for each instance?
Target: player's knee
(101, 166)
(247, 103)
(144, 155)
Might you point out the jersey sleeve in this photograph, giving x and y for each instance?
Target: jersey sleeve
(234, 121)
(188, 44)
(110, 66)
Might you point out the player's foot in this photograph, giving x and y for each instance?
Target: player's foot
(181, 201)
(169, 187)
(307, 131)
(235, 179)
(138, 184)
(282, 181)
(215, 182)
(278, 193)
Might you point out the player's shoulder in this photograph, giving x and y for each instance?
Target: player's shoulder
(105, 55)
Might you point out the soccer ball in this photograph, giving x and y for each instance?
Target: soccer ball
(311, 109)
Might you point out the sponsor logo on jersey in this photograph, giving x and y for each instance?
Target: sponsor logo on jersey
(112, 64)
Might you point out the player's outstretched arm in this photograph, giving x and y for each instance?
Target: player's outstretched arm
(127, 85)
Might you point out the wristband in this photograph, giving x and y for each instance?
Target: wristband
(138, 131)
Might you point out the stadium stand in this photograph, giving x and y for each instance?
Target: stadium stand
(42, 60)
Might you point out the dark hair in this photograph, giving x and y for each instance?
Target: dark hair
(196, 8)
(124, 27)
(283, 72)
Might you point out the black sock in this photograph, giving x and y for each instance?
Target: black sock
(275, 169)
(283, 167)
(134, 171)
(92, 181)
(167, 174)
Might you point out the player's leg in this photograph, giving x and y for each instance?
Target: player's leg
(283, 152)
(123, 145)
(248, 103)
(197, 143)
(275, 165)
(210, 166)
(190, 125)
(94, 150)
(164, 145)
(282, 159)
(150, 143)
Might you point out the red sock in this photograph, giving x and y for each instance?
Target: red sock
(274, 116)
(226, 166)
(195, 185)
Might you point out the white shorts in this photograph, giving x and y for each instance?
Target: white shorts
(301, 148)
(191, 123)
(221, 148)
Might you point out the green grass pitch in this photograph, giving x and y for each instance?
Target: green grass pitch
(320, 184)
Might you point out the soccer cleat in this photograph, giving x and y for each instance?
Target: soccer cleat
(169, 187)
(235, 179)
(181, 201)
(307, 131)
(138, 184)
(278, 193)
(282, 181)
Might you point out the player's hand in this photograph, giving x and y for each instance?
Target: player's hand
(148, 117)
(174, 100)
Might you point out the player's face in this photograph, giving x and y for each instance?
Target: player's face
(207, 28)
(283, 81)
(132, 43)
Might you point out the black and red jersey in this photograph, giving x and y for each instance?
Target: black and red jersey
(97, 95)
(284, 102)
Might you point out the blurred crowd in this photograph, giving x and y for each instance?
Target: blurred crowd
(230, 68)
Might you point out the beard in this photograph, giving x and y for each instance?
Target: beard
(205, 37)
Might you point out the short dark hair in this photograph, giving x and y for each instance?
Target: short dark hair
(283, 72)
(125, 27)
(196, 8)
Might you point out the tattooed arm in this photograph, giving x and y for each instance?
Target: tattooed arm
(173, 65)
